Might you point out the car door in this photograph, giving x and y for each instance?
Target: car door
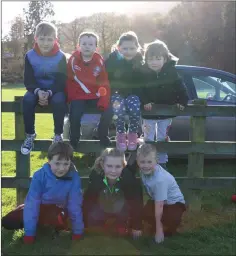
(218, 88)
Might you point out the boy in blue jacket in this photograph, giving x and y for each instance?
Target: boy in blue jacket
(45, 77)
(54, 195)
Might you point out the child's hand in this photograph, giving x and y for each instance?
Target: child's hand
(43, 98)
(148, 106)
(136, 233)
(159, 237)
(180, 107)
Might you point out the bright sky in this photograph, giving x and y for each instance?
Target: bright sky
(66, 11)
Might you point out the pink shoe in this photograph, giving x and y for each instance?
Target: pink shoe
(121, 141)
(132, 141)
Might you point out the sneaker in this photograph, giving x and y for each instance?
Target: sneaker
(57, 138)
(132, 141)
(121, 141)
(28, 144)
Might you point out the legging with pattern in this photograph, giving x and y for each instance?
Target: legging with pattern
(126, 106)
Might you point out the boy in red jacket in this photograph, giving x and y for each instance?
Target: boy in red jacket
(87, 85)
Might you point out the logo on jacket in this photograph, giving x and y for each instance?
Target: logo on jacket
(77, 67)
(96, 70)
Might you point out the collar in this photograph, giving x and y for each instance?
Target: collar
(111, 189)
(54, 51)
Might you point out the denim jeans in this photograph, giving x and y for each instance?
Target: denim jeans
(58, 103)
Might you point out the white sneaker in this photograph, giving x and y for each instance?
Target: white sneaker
(28, 144)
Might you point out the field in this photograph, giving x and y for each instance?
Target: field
(209, 232)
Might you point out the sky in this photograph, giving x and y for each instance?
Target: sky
(66, 11)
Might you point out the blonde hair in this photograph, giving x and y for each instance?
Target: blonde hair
(127, 36)
(46, 29)
(160, 49)
(113, 152)
(146, 149)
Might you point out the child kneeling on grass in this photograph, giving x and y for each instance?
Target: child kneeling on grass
(113, 191)
(165, 208)
(54, 195)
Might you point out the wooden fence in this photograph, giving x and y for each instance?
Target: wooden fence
(194, 182)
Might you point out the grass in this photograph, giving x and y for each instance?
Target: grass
(208, 232)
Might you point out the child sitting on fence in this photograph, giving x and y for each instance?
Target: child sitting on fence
(54, 197)
(113, 191)
(161, 85)
(164, 210)
(87, 85)
(45, 80)
(121, 66)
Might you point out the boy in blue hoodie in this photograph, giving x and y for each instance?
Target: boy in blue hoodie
(54, 195)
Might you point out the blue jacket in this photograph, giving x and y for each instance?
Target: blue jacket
(45, 188)
(45, 72)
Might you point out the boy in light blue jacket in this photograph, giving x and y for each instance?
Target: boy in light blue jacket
(54, 196)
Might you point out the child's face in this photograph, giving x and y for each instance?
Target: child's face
(147, 163)
(156, 63)
(59, 167)
(113, 167)
(45, 43)
(87, 45)
(128, 49)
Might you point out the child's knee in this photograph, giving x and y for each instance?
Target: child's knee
(58, 98)
(30, 98)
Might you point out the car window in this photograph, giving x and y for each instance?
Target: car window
(213, 88)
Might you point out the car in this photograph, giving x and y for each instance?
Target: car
(216, 86)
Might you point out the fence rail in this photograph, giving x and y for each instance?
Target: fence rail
(196, 148)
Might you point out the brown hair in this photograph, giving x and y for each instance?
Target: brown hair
(158, 48)
(146, 149)
(88, 34)
(46, 29)
(101, 159)
(62, 149)
(127, 36)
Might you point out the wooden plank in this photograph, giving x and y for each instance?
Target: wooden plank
(22, 161)
(160, 110)
(196, 159)
(172, 147)
(206, 183)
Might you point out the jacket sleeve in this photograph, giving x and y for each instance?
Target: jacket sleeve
(61, 76)
(32, 206)
(104, 101)
(134, 197)
(29, 78)
(182, 95)
(74, 206)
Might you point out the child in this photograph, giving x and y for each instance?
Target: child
(44, 79)
(122, 65)
(166, 205)
(54, 194)
(87, 85)
(113, 191)
(162, 85)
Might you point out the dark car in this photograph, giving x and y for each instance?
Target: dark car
(218, 88)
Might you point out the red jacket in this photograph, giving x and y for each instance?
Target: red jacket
(85, 79)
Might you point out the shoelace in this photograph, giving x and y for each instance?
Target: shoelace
(57, 138)
(28, 142)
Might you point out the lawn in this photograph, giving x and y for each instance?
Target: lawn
(209, 232)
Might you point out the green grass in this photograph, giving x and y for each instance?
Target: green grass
(209, 232)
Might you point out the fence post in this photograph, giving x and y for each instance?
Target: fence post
(22, 161)
(196, 160)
